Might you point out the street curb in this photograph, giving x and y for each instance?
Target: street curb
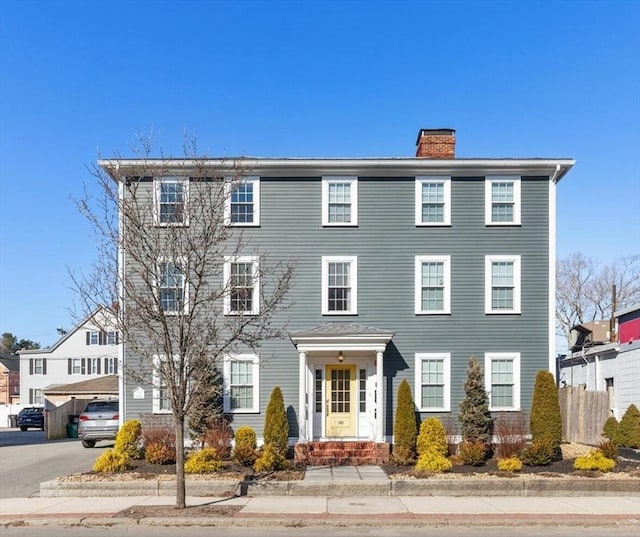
(513, 487)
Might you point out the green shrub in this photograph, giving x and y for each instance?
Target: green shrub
(432, 437)
(432, 461)
(127, 439)
(611, 429)
(205, 461)
(276, 426)
(473, 453)
(609, 449)
(629, 428)
(404, 427)
(545, 420)
(474, 416)
(112, 460)
(594, 460)
(245, 446)
(270, 459)
(510, 464)
(540, 452)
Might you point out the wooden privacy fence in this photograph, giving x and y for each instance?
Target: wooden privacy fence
(58, 417)
(583, 414)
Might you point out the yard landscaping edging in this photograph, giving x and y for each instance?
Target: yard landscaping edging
(513, 486)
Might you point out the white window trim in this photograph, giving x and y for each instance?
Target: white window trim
(517, 284)
(446, 181)
(515, 358)
(185, 285)
(446, 358)
(157, 181)
(229, 181)
(255, 374)
(155, 390)
(353, 260)
(517, 199)
(226, 270)
(446, 261)
(353, 182)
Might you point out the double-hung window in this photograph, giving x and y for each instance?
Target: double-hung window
(502, 379)
(433, 284)
(171, 195)
(172, 287)
(433, 201)
(502, 201)
(38, 366)
(502, 284)
(242, 284)
(93, 366)
(242, 386)
(433, 379)
(243, 202)
(339, 201)
(161, 401)
(339, 285)
(112, 337)
(77, 366)
(93, 337)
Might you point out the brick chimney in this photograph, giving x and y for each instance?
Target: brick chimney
(436, 144)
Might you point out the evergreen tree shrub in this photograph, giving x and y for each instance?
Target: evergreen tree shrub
(276, 426)
(204, 461)
(432, 461)
(611, 429)
(128, 439)
(474, 415)
(405, 427)
(432, 437)
(270, 459)
(594, 460)
(629, 428)
(112, 460)
(510, 464)
(245, 446)
(545, 420)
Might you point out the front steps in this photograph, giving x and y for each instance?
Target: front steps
(334, 453)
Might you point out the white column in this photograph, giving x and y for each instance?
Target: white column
(303, 413)
(379, 398)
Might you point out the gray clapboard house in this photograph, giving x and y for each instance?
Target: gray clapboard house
(406, 267)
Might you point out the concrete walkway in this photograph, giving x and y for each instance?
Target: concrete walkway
(345, 474)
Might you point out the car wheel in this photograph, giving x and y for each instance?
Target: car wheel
(23, 428)
(88, 443)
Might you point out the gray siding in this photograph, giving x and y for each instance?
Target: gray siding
(386, 242)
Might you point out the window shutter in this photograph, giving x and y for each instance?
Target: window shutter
(30, 396)
(44, 366)
(68, 366)
(98, 364)
(30, 366)
(117, 338)
(84, 366)
(102, 338)
(115, 366)
(88, 334)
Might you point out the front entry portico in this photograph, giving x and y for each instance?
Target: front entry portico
(340, 382)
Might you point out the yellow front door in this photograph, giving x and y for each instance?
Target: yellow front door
(341, 400)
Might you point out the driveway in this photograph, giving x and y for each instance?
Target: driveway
(27, 459)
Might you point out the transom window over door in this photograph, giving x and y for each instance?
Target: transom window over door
(502, 203)
(243, 203)
(433, 201)
(433, 284)
(340, 201)
(502, 284)
(170, 199)
(339, 285)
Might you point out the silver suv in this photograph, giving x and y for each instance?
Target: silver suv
(99, 421)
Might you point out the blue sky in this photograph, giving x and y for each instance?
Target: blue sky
(296, 78)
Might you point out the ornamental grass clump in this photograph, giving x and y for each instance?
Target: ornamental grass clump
(405, 428)
(594, 460)
(205, 461)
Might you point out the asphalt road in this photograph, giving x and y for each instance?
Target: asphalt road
(28, 459)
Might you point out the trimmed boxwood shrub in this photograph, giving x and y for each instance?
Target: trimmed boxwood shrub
(245, 446)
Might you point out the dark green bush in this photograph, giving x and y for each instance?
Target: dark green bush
(540, 452)
(629, 428)
(405, 426)
(473, 452)
(474, 416)
(545, 420)
(611, 429)
(276, 426)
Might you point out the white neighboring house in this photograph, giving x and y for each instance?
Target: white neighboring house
(90, 350)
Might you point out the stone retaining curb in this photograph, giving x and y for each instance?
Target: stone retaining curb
(423, 487)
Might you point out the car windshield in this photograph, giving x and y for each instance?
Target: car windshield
(31, 411)
(102, 407)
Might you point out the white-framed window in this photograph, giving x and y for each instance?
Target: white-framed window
(161, 403)
(502, 284)
(339, 285)
(242, 285)
(502, 380)
(93, 337)
(339, 201)
(38, 366)
(112, 337)
(93, 366)
(433, 201)
(172, 287)
(433, 381)
(242, 383)
(77, 366)
(110, 366)
(242, 207)
(35, 396)
(502, 201)
(433, 284)
(171, 196)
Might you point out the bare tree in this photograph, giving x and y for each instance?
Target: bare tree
(585, 289)
(179, 312)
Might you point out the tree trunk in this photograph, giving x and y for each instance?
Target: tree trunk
(181, 502)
